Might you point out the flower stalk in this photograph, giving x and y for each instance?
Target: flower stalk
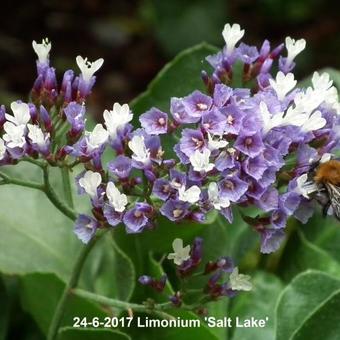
(77, 268)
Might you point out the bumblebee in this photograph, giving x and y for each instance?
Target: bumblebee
(327, 179)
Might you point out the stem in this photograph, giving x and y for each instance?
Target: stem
(60, 309)
(53, 197)
(29, 184)
(37, 162)
(157, 309)
(67, 186)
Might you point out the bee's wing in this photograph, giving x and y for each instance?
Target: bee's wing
(334, 197)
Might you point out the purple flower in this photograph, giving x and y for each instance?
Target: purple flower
(278, 219)
(222, 93)
(174, 210)
(234, 118)
(254, 167)
(75, 115)
(269, 200)
(247, 54)
(137, 218)
(224, 161)
(46, 118)
(227, 213)
(232, 188)
(250, 145)
(113, 217)
(85, 228)
(179, 112)
(272, 157)
(255, 190)
(158, 285)
(191, 141)
(214, 122)
(161, 189)
(154, 121)
(121, 166)
(289, 202)
(197, 104)
(271, 240)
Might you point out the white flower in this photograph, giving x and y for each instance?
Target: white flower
(307, 102)
(36, 135)
(321, 82)
(216, 144)
(181, 253)
(240, 281)
(14, 136)
(283, 84)
(97, 137)
(294, 117)
(314, 122)
(191, 195)
(118, 117)
(90, 182)
(303, 187)
(2, 149)
(323, 89)
(232, 34)
(200, 160)
(21, 114)
(140, 152)
(214, 197)
(270, 121)
(116, 199)
(42, 50)
(294, 48)
(87, 68)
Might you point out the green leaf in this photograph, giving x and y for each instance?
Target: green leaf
(109, 271)
(258, 303)
(68, 333)
(309, 307)
(178, 78)
(35, 236)
(300, 255)
(40, 293)
(324, 233)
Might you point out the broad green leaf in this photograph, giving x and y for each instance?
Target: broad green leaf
(178, 78)
(35, 236)
(68, 333)
(325, 234)
(300, 255)
(40, 294)
(258, 303)
(309, 307)
(109, 271)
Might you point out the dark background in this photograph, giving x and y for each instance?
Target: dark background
(136, 38)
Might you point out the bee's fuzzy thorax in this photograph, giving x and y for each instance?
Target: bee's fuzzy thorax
(328, 172)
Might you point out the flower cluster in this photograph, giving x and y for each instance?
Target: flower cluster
(229, 147)
(37, 128)
(222, 278)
